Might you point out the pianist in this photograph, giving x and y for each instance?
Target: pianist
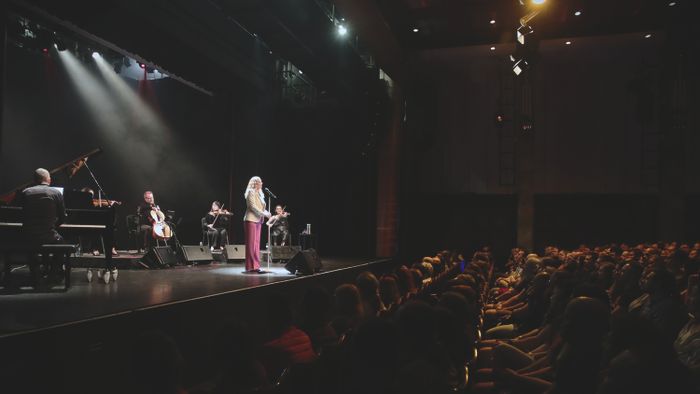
(43, 210)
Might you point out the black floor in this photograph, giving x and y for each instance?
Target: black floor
(136, 290)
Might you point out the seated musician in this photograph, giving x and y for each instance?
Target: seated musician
(145, 220)
(279, 226)
(217, 222)
(44, 210)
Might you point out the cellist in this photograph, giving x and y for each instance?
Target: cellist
(145, 219)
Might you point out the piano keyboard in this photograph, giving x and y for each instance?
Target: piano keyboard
(88, 226)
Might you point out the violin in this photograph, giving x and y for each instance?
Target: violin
(274, 218)
(161, 230)
(223, 212)
(216, 214)
(104, 203)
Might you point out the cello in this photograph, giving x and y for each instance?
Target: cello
(161, 229)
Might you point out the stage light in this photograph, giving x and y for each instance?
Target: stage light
(577, 13)
(493, 48)
(95, 55)
(520, 66)
(498, 119)
(342, 30)
(647, 36)
(522, 32)
(568, 43)
(59, 44)
(492, 21)
(415, 30)
(526, 124)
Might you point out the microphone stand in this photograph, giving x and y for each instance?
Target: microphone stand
(269, 229)
(101, 192)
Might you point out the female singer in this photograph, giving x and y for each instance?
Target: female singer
(217, 223)
(252, 221)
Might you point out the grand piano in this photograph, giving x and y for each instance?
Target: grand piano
(81, 220)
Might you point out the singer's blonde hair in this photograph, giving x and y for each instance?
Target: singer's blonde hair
(251, 187)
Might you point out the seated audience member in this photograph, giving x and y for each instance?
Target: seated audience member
(314, 316)
(235, 353)
(289, 345)
(661, 304)
(348, 309)
(368, 285)
(372, 357)
(405, 282)
(157, 364)
(389, 292)
(687, 344)
(419, 338)
(417, 278)
(626, 288)
(577, 366)
(643, 360)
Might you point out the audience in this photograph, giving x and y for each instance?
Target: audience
(605, 319)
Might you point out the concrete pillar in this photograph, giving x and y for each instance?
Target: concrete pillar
(388, 160)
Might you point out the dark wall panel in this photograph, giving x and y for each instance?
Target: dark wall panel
(572, 219)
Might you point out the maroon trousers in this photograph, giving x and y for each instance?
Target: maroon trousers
(252, 245)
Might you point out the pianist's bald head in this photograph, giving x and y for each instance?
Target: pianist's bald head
(42, 176)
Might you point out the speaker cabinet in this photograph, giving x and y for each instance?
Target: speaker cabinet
(197, 254)
(284, 252)
(235, 252)
(160, 257)
(305, 262)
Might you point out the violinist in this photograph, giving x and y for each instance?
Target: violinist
(279, 226)
(217, 221)
(94, 242)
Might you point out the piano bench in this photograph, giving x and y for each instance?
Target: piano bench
(65, 249)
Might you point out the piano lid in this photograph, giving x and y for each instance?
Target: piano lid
(71, 167)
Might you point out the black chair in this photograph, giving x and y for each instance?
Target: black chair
(205, 233)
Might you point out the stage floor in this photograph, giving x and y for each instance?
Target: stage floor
(136, 290)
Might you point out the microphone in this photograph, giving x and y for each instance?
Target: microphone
(271, 193)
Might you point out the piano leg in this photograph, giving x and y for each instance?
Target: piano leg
(108, 237)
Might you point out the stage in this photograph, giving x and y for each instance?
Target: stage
(141, 289)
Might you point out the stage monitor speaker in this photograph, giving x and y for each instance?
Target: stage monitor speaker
(160, 257)
(197, 254)
(235, 252)
(284, 252)
(305, 262)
